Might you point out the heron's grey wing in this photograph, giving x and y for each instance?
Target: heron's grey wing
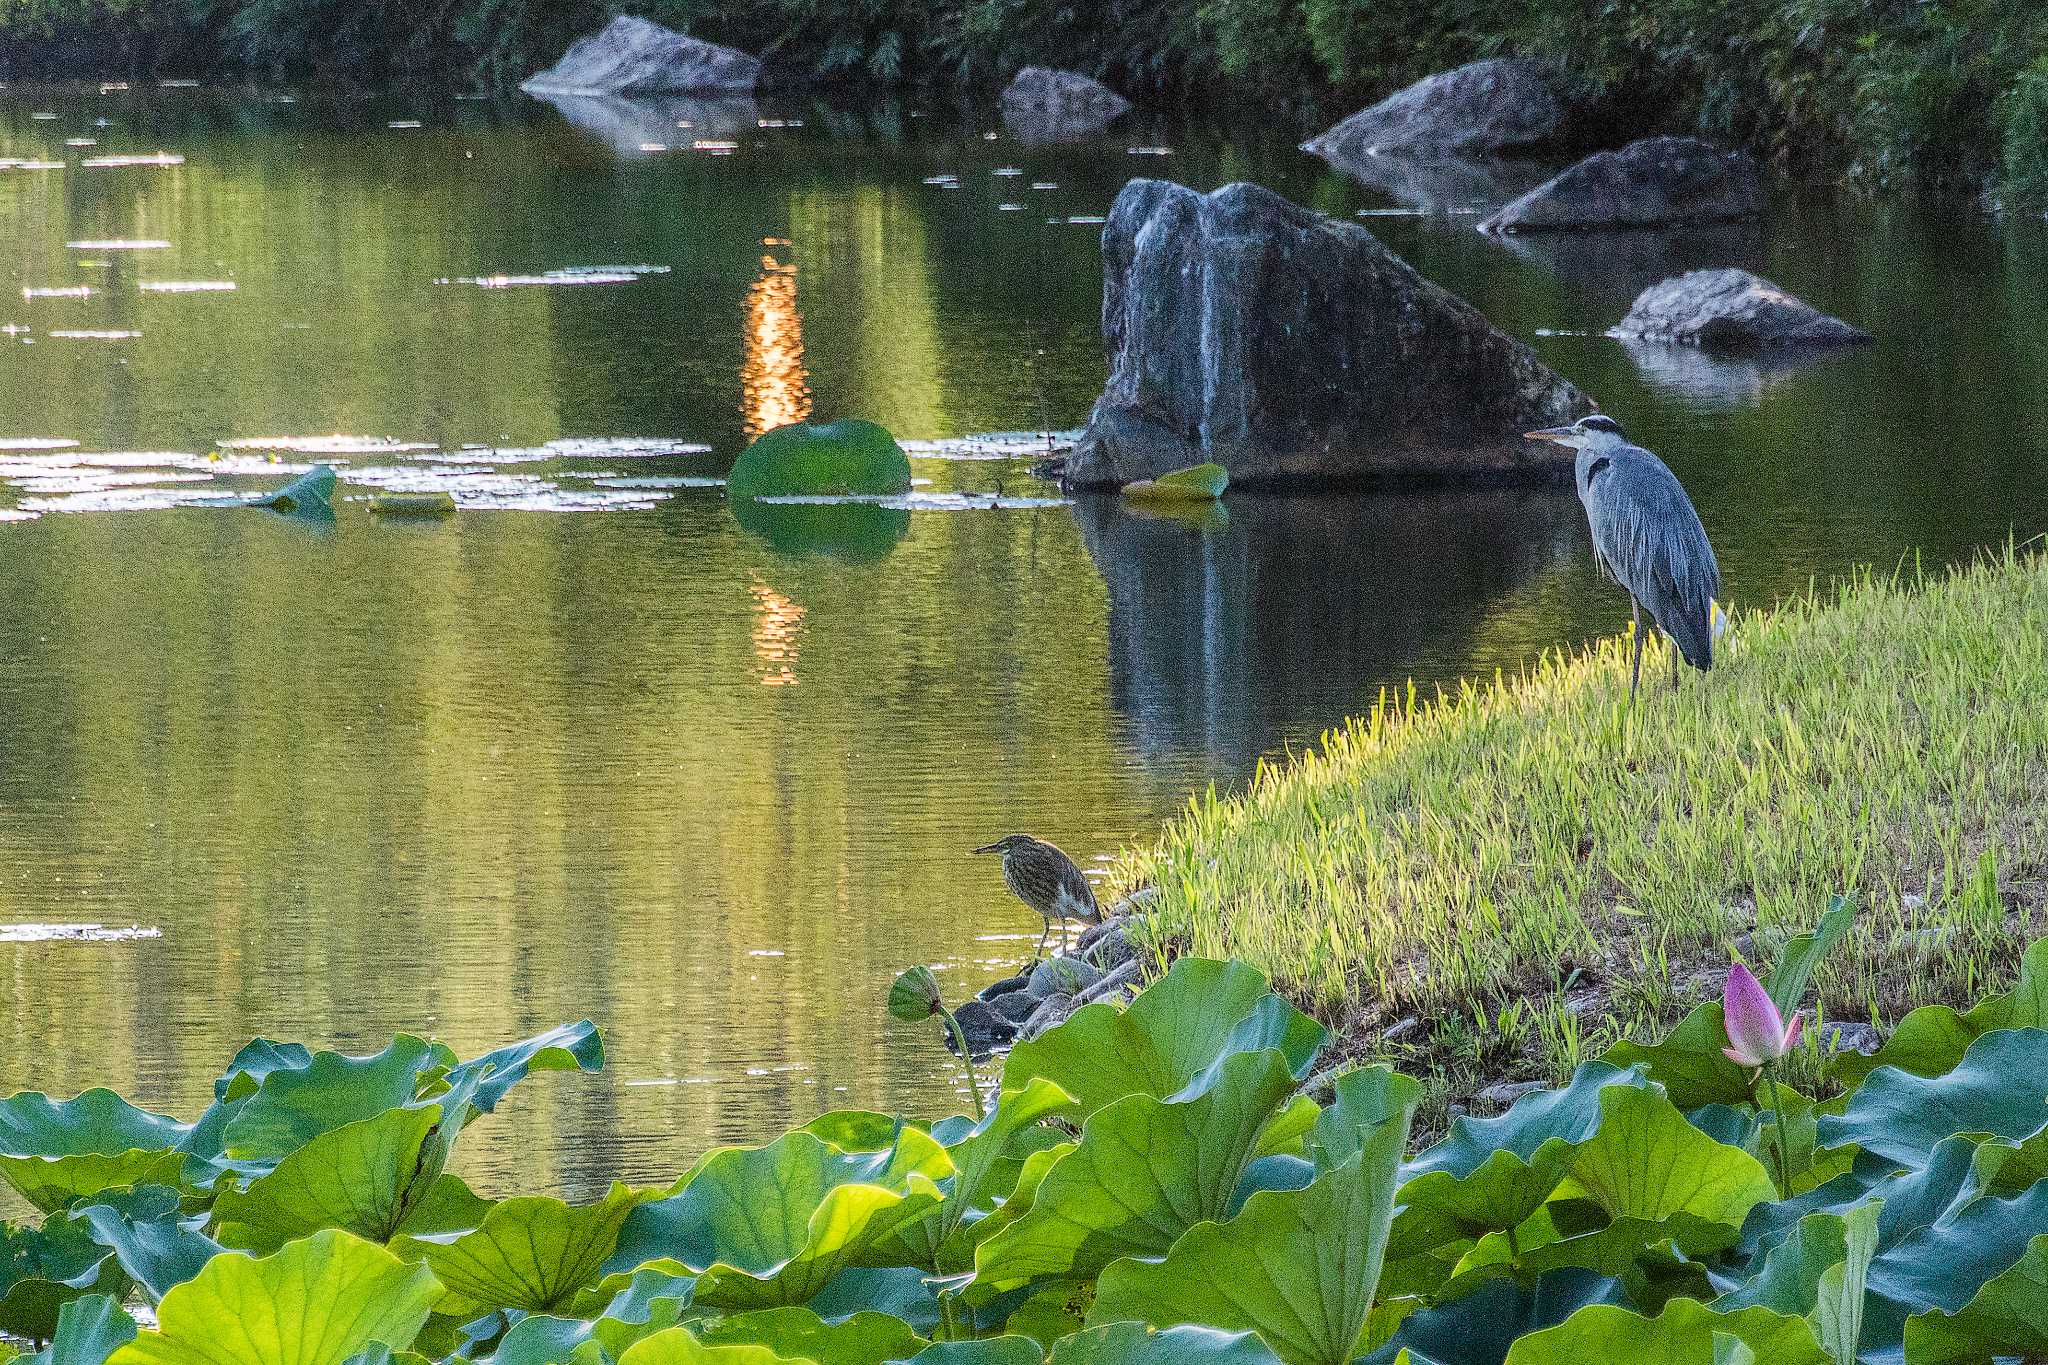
(1652, 541)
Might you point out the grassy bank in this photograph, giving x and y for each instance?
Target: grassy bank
(1530, 875)
(1886, 92)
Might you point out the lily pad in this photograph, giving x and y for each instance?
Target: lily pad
(849, 456)
(1196, 483)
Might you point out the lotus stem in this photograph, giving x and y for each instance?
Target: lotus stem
(966, 1060)
(1778, 1145)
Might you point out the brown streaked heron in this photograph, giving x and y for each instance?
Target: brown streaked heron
(1047, 880)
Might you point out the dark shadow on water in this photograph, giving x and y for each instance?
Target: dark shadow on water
(1222, 640)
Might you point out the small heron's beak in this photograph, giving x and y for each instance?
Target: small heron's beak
(988, 848)
(1557, 436)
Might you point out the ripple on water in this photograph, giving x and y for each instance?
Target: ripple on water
(101, 480)
(76, 933)
(102, 163)
(336, 444)
(36, 443)
(924, 502)
(187, 286)
(57, 291)
(568, 276)
(681, 481)
(120, 244)
(994, 445)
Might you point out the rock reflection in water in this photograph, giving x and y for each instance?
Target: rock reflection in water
(1223, 639)
(1717, 381)
(1446, 184)
(1619, 263)
(646, 125)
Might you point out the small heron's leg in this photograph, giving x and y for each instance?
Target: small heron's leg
(1635, 672)
(1676, 658)
(1042, 938)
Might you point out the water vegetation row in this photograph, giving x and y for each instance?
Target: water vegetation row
(1500, 884)
(1882, 91)
(1150, 1184)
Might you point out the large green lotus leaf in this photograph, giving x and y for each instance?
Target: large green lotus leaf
(42, 1269)
(534, 1254)
(88, 1331)
(1145, 1171)
(1299, 1267)
(858, 1130)
(1647, 1162)
(988, 1160)
(1934, 1038)
(317, 1302)
(1131, 1343)
(1491, 1174)
(1479, 1328)
(769, 1226)
(257, 1059)
(363, 1177)
(1170, 1042)
(1689, 1063)
(294, 1105)
(1818, 1273)
(863, 1339)
(1910, 1199)
(637, 1295)
(156, 1245)
(677, 1346)
(849, 456)
(988, 1351)
(1653, 1260)
(541, 1339)
(2005, 1166)
(57, 1151)
(1683, 1334)
(486, 1079)
(2000, 1087)
(2007, 1318)
(1943, 1265)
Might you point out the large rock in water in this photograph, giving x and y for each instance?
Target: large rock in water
(1042, 104)
(1731, 310)
(1652, 183)
(639, 57)
(1481, 109)
(1290, 347)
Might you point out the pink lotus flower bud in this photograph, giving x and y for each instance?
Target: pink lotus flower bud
(1756, 1032)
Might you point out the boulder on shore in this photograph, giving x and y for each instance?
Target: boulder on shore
(1480, 109)
(1652, 183)
(1731, 310)
(1292, 348)
(1042, 104)
(632, 56)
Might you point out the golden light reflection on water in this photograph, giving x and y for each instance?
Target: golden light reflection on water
(778, 626)
(775, 384)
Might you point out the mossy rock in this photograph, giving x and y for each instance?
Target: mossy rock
(844, 458)
(1196, 483)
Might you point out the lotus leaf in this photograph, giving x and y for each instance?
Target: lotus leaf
(155, 1244)
(1942, 1266)
(1196, 483)
(56, 1151)
(294, 1105)
(1647, 1162)
(990, 1351)
(1145, 1171)
(317, 1302)
(769, 1226)
(88, 1331)
(1299, 1267)
(1934, 1038)
(42, 1269)
(1685, 1331)
(1479, 1328)
(846, 457)
(534, 1254)
(1171, 1042)
(1818, 1273)
(677, 1346)
(1803, 952)
(363, 1177)
(1999, 1086)
(1689, 1063)
(863, 1339)
(2008, 1317)
(569, 1047)
(1130, 1343)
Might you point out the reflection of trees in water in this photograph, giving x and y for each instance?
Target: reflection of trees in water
(1293, 611)
(774, 383)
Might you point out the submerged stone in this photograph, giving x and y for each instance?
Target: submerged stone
(1480, 109)
(633, 56)
(1652, 183)
(1289, 347)
(1731, 310)
(845, 458)
(1045, 105)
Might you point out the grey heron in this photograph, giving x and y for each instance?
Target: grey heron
(1646, 537)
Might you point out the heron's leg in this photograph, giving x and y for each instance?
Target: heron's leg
(1635, 672)
(1676, 657)
(1042, 939)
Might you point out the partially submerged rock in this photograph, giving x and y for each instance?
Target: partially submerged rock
(1289, 347)
(1731, 310)
(1651, 183)
(1480, 109)
(1042, 104)
(633, 56)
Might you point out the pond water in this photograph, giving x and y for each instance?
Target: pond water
(594, 748)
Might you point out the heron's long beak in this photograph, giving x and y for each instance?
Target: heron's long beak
(988, 848)
(1560, 436)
